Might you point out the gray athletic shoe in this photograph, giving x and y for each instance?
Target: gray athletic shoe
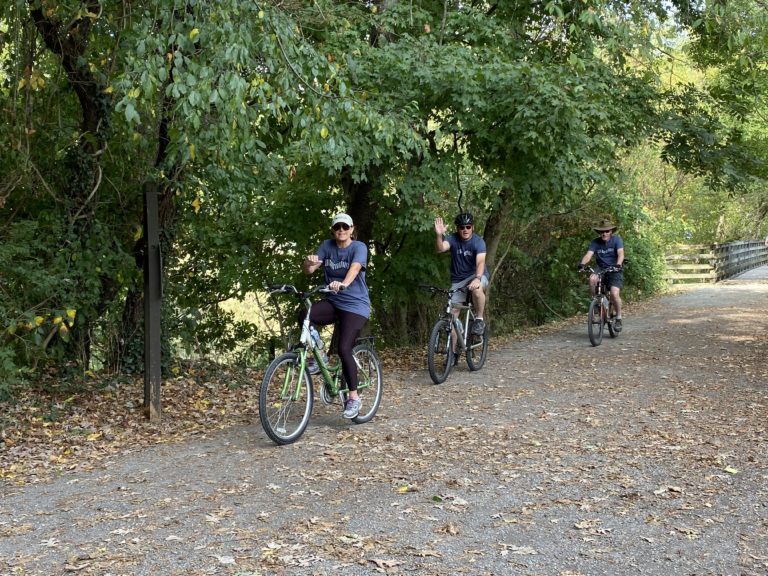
(478, 327)
(312, 366)
(352, 408)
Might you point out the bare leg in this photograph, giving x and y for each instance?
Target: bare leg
(616, 300)
(478, 300)
(455, 312)
(593, 279)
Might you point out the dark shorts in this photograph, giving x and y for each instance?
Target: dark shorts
(612, 279)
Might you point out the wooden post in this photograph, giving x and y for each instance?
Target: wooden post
(152, 304)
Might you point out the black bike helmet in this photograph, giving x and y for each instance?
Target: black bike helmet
(464, 219)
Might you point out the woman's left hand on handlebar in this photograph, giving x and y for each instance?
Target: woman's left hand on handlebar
(336, 286)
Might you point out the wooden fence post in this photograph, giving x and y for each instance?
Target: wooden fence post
(152, 305)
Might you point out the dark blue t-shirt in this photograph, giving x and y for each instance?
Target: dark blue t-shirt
(606, 253)
(464, 255)
(336, 262)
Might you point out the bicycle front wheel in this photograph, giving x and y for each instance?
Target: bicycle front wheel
(477, 349)
(595, 322)
(285, 399)
(440, 351)
(369, 382)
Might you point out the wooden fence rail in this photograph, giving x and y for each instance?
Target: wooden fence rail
(713, 262)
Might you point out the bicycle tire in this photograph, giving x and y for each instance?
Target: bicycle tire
(285, 402)
(595, 322)
(370, 382)
(477, 349)
(611, 328)
(440, 351)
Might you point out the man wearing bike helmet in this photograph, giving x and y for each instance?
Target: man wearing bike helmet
(467, 262)
(608, 250)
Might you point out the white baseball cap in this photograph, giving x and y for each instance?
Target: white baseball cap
(342, 218)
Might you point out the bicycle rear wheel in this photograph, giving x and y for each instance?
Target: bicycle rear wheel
(440, 351)
(477, 349)
(595, 322)
(285, 399)
(370, 382)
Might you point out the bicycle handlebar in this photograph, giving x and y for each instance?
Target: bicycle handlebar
(591, 270)
(291, 289)
(439, 290)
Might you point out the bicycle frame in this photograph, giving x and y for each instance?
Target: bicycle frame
(286, 396)
(450, 337)
(457, 326)
(331, 374)
(601, 301)
(306, 344)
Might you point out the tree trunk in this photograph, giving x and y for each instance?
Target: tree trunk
(359, 204)
(83, 165)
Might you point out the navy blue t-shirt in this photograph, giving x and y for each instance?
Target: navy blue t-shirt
(606, 253)
(463, 256)
(336, 262)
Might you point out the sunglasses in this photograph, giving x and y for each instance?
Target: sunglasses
(605, 232)
(465, 227)
(340, 226)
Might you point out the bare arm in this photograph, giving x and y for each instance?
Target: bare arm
(480, 264)
(589, 254)
(479, 270)
(354, 270)
(311, 263)
(619, 256)
(441, 245)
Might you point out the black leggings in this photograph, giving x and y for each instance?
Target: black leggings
(350, 324)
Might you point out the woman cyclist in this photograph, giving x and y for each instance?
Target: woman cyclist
(344, 261)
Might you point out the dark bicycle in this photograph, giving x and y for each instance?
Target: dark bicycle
(601, 309)
(450, 337)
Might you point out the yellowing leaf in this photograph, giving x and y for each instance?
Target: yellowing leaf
(196, 204)
(192, 151)
(39, 320)
(261, 14)
(71, 312)
(137, 234)
(134, 92)
(731, 470)
(194, 33)
(323, 132)
(108, 90)
(57, 320)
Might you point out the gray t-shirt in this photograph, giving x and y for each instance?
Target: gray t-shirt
(336, 262)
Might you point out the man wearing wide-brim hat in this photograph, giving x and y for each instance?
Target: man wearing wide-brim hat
(608, 250)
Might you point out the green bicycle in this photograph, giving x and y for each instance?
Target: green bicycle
(286, 397)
